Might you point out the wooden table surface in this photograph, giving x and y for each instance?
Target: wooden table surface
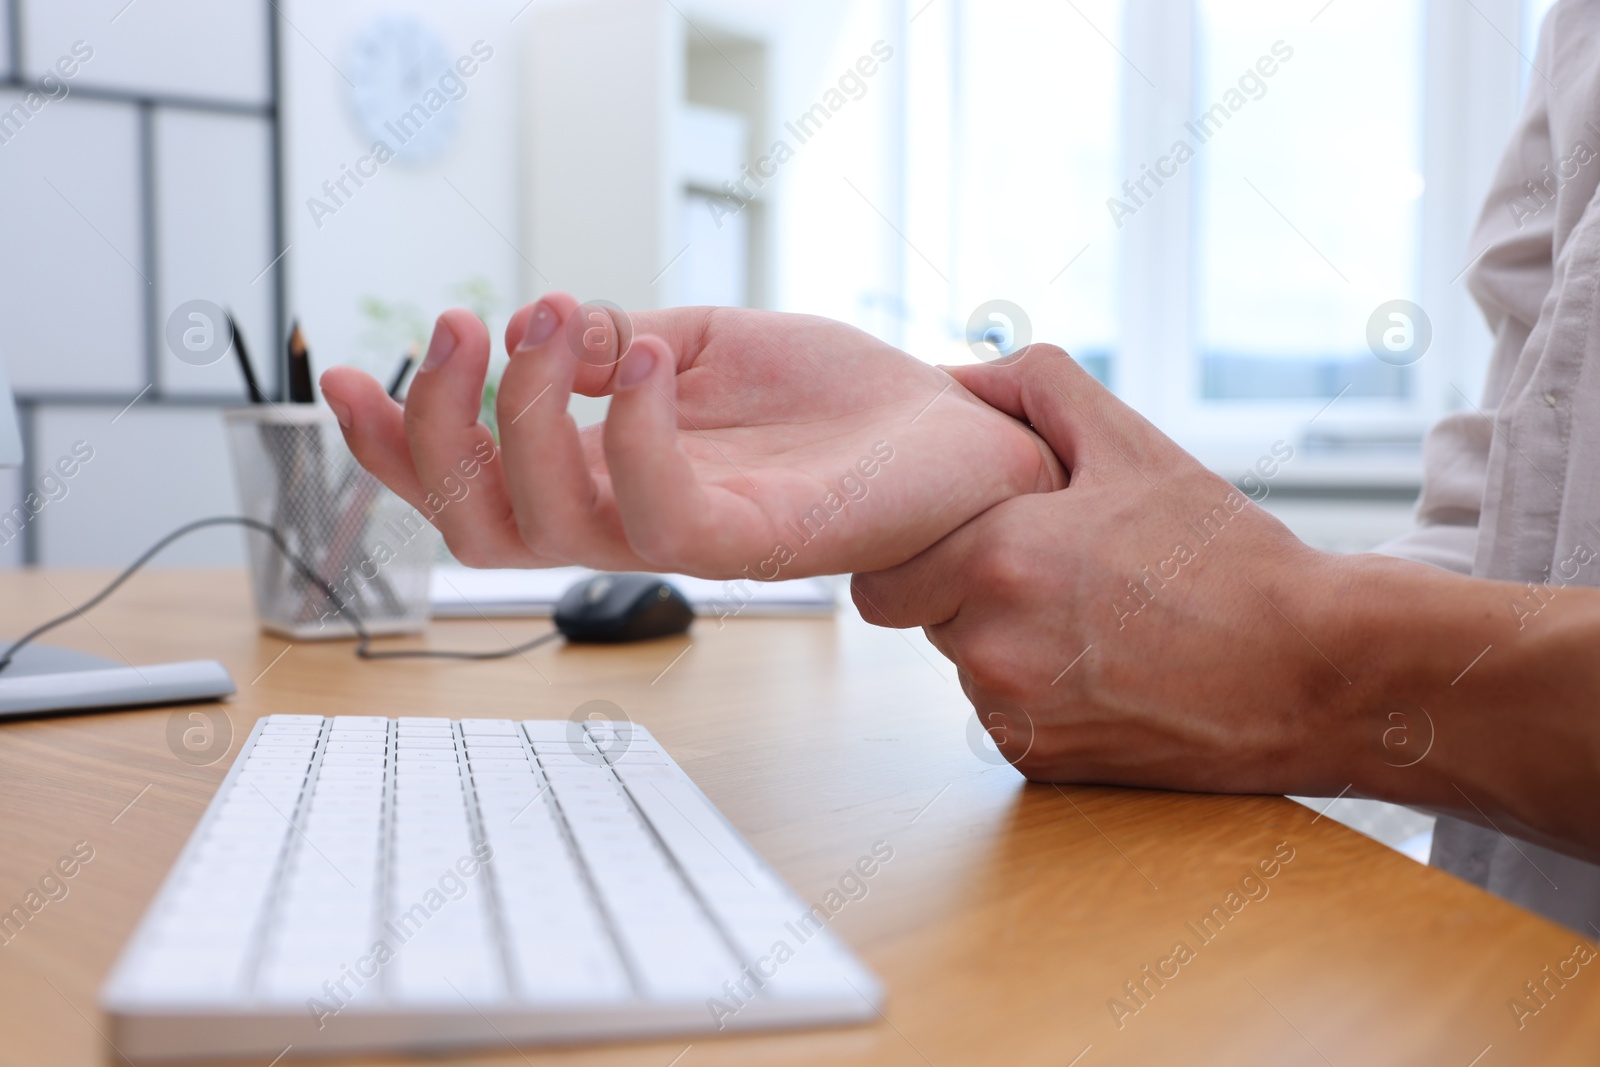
(1008, 920)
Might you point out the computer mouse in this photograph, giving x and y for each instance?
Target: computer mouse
(611, 608)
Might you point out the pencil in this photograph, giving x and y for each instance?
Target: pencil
(299, 369)
(406, 362)
(243, 354)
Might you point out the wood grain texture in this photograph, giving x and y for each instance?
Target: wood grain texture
(1009, 917)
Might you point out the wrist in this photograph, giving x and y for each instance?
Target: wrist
(1321, 607)
(1405, 633)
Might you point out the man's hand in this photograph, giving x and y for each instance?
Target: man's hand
(1150, 626)
(1147, 625)
(738, 443)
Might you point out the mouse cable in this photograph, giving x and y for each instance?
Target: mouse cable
(363, 645)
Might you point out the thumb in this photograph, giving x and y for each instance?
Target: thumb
(665, 511)
(1080, 419)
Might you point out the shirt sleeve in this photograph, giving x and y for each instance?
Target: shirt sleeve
(1514, 244)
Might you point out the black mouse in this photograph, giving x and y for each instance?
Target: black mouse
(611, 608)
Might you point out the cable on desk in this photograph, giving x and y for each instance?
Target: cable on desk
(363, 645)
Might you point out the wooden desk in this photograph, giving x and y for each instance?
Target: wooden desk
(1008, 918)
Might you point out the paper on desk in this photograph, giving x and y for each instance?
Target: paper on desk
(461, 592)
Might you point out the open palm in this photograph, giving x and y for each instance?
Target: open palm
(738, 443)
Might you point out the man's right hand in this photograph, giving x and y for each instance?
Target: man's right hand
(1146, 625)
(1150, 626)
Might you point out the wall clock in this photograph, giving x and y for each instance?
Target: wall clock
(395, 68)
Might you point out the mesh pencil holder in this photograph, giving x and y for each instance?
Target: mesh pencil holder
(295, 474)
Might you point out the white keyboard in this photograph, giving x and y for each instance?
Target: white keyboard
(364, 883)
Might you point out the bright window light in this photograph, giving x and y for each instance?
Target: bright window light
(1013, 117)
(1308, 194)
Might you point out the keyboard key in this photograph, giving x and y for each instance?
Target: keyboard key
(351, 759)
(361, 722)
(573, 759)
(337, 744)
(551, 730)
(307, 734)
(278, 740)
(637, 757)
(407, 754)
(495, 740)
(488, 727)
(409, 741)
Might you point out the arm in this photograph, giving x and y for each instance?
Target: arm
(1149, 626)
(1490, 687)
(738, 444)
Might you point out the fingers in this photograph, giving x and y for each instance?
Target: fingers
(1082, 421)
(653, 509)
(374, 428)
(665, 511)
(594, 338)
(1044, 387)
(557, 502)
(926, 590)
(1005, 394)
(453, 453)
(598, 335)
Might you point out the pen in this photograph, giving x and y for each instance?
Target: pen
(239, 350)
(299, 369)
(406, 362)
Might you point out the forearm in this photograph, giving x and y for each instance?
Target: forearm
(1474, 698)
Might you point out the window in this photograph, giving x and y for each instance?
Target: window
(1014, 128)
(1533, 13)
(1334, 160)
(1308, 193)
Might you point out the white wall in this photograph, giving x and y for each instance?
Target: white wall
(152, 469)
(172, 48)
(75, 250)
(416, 231)
(213, 191)
(152, 183)
(5, 38)
(145, 181)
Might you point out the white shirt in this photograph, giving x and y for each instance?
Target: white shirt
(1518, 499)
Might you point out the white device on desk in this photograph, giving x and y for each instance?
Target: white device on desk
(463, 593)
(43, 679)
(362, 883)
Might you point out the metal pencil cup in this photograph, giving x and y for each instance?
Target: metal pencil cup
(376, 551)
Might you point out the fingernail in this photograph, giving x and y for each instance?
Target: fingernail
(341, 410)
(440, 348)
(541, 324)
(636, 366)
